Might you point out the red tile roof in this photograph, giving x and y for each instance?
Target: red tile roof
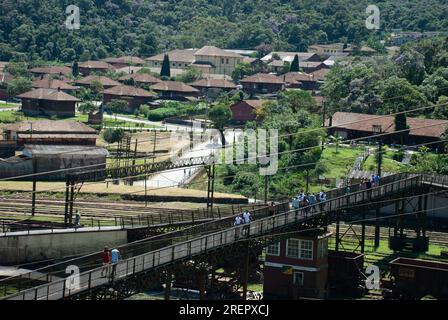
(292, 77)
(144, 78)
(173, 86)
(364, 122)
(129, 91)
(263, 78)
(48, 94)
(95, 65)
(214, 83)
(48, 83)
(52, 70)
(105, 81)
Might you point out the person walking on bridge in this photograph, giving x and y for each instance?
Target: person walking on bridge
(246, 216)
(272, 209)
(105, 255)
(115, 256)
(77, 218)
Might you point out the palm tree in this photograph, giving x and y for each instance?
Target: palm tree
(337, 140)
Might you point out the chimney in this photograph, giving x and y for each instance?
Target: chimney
(59, 88)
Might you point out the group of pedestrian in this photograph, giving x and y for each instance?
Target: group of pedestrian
(110, 257)
(304, 199)
(372, 182)
(245, 218)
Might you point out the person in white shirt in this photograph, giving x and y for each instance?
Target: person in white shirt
(246, 216)
(237, 221)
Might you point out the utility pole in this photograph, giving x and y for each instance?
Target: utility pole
(377, 130)
(154, 146)
(33, 196)
(265, 189)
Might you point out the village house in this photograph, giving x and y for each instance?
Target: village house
(311, 66)
(134, 96)
(88, 67)
(204, 85)
(141, 79)
(277, 60)
(55, 71)
(351, 125)
(175, 90)
(125, 61)
(179, 59)
(245, 110)
(299, 80)
(262, 83)
(105, 81)
(214, 60)
(208, 59)
(297, 267)
(50, 132)
(48, 102)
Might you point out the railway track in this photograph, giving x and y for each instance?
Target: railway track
(12, 207)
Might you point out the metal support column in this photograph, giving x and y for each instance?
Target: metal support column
(67, 193)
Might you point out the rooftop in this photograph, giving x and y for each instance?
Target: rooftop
(214, 83)
(48, 94)
(125, 59)
(94, 65)
(122, 90)
(52, 70)
(105, 81)
(364, 122)
(288, 56)
(263, 78)
(141, 78)
(48, 83)
(173, 86)
(49, 126)
(38, 149)
(216, 52)
(178, 55)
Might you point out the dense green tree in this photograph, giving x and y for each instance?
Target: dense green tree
(75, 69)
(86, 107)
(220, 115)
(19, 85)
(118, 106)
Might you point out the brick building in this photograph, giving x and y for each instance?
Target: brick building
(262, 83)
(245, 110)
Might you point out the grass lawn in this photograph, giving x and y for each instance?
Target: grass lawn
(388, 164)
(339, 164)
(5, 105)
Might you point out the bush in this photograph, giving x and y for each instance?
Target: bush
(162, 113)
(113, 135)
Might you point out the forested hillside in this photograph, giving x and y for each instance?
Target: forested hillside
(35, 29)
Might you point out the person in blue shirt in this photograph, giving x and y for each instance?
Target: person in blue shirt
(115, 256)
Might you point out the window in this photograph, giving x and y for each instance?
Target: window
(273, 249)
(322, 249)
(227, 61)
(297, 278)
(299, 249)
(292, 248)
(306, 249)
(155, 63)
(222, 60)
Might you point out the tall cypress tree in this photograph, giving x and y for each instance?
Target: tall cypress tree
(401, 124)
(75, 69)
(295, 64)
(165, 71)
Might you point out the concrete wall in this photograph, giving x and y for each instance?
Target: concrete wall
(17, 249)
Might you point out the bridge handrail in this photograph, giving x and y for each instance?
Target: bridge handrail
(202, 244)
